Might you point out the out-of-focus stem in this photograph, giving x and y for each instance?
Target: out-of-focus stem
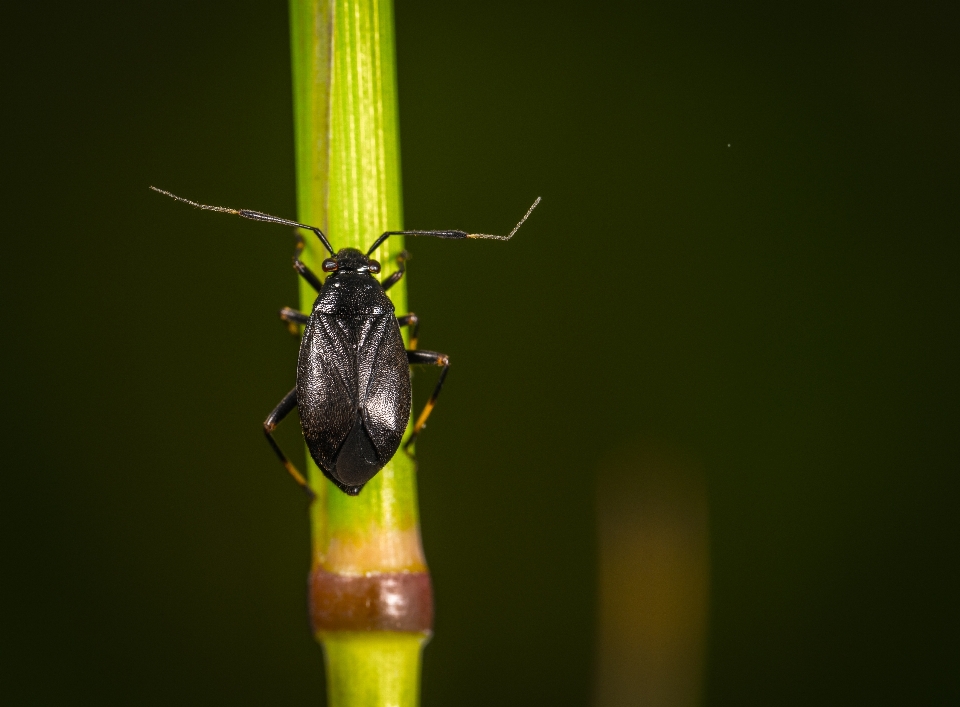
(370, 597)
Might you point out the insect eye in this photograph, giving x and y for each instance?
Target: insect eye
(374, 267)
(329, 265)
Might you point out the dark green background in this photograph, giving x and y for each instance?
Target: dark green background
(747, 250)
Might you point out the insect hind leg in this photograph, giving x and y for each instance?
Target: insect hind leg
(430, 358)
(284, 408)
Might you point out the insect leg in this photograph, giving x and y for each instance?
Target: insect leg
(292, 317)
(284, 408)
(428, 358)
(413, 322)
(395, 277)
(298, 265)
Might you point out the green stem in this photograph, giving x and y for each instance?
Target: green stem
(381, 668)
(365, 548)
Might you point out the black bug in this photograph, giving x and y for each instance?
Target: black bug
(353, 374)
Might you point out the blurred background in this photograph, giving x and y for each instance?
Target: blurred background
(710, 388)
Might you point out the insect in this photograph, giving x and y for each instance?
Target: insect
(353, 373)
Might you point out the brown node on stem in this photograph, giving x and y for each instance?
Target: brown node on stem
(389, 601)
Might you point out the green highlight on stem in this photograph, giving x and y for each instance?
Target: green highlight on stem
(348, 184)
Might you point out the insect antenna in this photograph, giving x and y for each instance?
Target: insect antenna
(252, 215)
(454, 234)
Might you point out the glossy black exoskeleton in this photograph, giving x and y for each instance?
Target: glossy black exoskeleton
(353, 373)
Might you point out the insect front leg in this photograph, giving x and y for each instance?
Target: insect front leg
(401, 269)
(301, 268)
(291, 316)
(284, 408)
(413, 322)
(431, 358)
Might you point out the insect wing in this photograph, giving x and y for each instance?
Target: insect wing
(327, 386)
(384, 376)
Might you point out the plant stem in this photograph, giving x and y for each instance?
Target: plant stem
(371, 601)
